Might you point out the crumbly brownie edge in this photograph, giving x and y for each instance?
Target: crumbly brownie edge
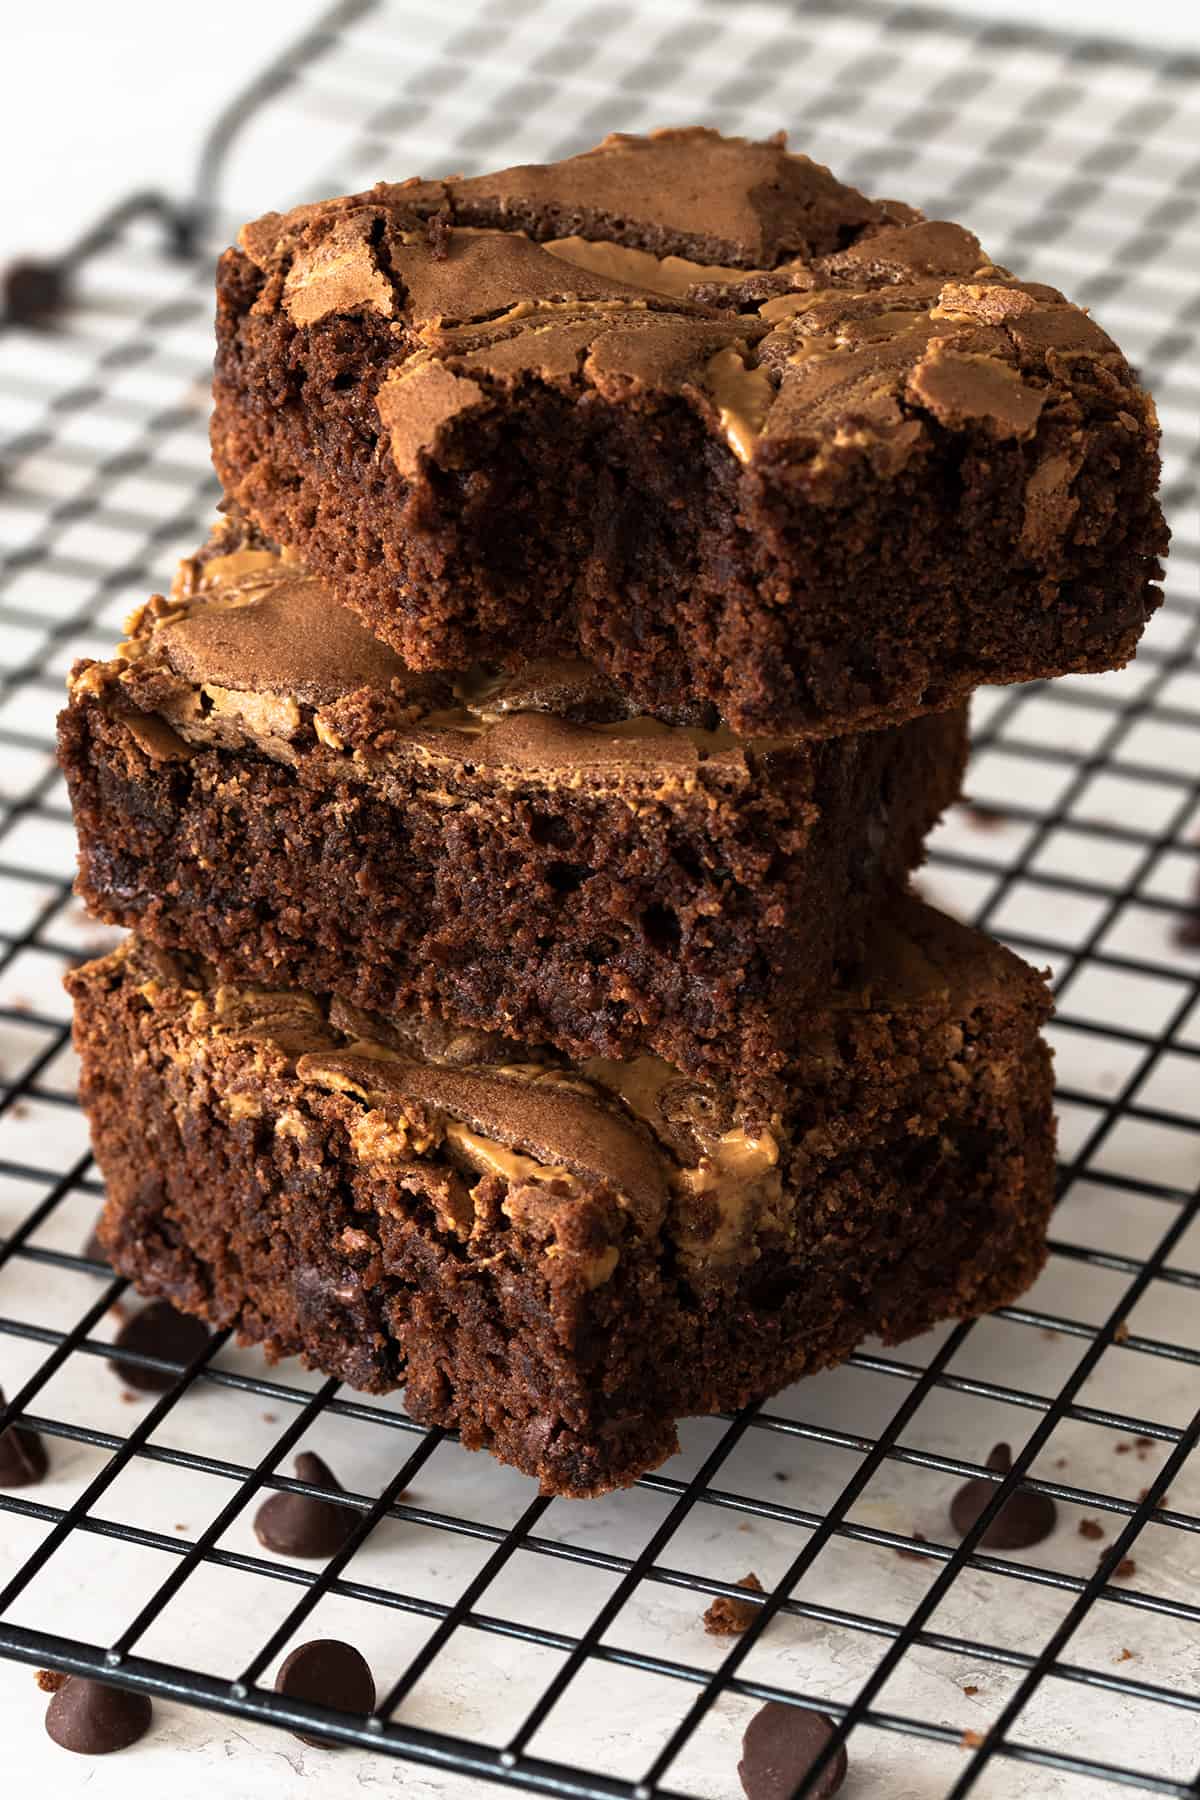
(696, 923)
(300, 1249)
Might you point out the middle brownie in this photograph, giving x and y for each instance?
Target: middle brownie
(257, 780)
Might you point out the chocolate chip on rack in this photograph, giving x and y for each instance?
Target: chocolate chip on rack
(23, 1457)
(300, 1524)
(781, 1745)
(93, 1719)
(329, 1673)
(1024, 1519)
(158, 1330)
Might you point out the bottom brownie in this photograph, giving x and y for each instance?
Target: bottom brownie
(561, 1261)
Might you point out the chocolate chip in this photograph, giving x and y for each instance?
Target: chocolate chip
(92, 1718)
(727, 1617)
(299, 1524)
(329, 1673)
(1024, 1519)
(158, 1330)
(23, 1458)
(33, 291)
(780, 1746)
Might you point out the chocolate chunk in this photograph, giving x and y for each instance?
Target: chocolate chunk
(158, 1330)
(299, 1524)
(1023, 1520)
(23, 1458)
(93, 1719)
(780, 1746)
(727, 1617)
(329, 1673)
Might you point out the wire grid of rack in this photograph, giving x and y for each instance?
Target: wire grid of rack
(546, 1645)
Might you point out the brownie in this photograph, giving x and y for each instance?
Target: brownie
(693, 409)
(257, 779)
(562, 1259)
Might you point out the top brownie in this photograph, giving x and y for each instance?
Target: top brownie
(693, 408)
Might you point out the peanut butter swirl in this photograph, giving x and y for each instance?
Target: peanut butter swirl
(734, 278)
(676, 1155)
(250, 649)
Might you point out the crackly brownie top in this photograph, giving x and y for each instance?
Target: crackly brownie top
(801, 317)
(249, 649)
(693, 1159)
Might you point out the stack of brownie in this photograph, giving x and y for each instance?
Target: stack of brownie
(514, 801)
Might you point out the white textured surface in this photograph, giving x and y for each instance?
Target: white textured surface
(615, 1719)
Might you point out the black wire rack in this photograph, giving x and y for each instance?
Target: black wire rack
(550, 1646)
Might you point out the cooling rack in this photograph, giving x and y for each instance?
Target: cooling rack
(550, 1646)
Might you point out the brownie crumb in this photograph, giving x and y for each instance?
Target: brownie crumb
(970, 1691)
(971, 1740)
(727, 1617)
(911, 1555)
(984, 817)
(1090, 1528)
(1126, 1655)
(50, 1680)
(1122, 1449)
(1120, 1332)
(1124, 1570)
